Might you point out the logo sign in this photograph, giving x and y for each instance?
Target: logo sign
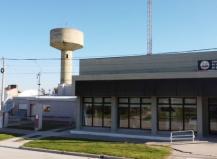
(46, 108)
(2, 70)
(204, 65)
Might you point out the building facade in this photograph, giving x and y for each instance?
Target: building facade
(150, 94)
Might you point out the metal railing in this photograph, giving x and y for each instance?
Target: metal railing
(182, 135)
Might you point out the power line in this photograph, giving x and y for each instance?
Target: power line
(76, 67)
(117, 56)
(31, 73)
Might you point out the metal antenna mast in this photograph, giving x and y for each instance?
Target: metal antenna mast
(149, 27)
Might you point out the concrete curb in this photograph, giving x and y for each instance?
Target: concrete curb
(72, 153)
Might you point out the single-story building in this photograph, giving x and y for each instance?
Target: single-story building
(149, 94)
(49, 109)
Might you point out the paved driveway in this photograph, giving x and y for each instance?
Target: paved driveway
(13, 153)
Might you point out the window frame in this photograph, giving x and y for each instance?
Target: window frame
(170, 104)
(129, 114)
(103, 103)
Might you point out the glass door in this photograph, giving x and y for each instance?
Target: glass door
(212, 115)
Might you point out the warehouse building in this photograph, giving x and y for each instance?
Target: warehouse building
(148, 94)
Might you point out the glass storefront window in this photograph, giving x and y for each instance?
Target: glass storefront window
(87, 114)
(163, 100)
(212, 115)
(123, 100)
(190, 101)
(97, 112)
(98, 100)
(213, 119)
(97, 115)
(176, 100)
(133, 113)
(135, 100)
(163, 117)
(135, 116)
(107, 100)
(87, 100)
(190, 117)
(107, 115)
(146, 100)
(176, 114)
(123, 115)
(146, 116)
(176, 117)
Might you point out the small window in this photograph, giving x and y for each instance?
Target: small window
(134, 100)
(146, 100)
(176, 100)
(87, 99)
(22, 106)
(123, 105)
(163, 100)
(67, 56)
(190, 101)
(123, 100)
(107, 100)
(97, 100)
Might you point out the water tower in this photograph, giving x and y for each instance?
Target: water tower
(67, 40)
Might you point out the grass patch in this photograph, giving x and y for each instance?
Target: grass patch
(130, 150)
(4, 136)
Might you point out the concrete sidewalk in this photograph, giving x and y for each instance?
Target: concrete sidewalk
(14, 142)
(17, 142)
(208, 149)
(181, 150)
(180, 155)
(115, 136)
(191, 150)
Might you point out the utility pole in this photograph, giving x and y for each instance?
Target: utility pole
(39, 82)
(149, 27)
(2, 93)
(2, 82)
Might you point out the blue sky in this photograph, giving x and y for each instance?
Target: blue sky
(111, 27)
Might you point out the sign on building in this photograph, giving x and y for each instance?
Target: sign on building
(46, 108)
(204, 65)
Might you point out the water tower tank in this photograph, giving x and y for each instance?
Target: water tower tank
(66, 40)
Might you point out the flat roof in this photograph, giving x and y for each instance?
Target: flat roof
(146, 64)
(159, 75)
(47, 98)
